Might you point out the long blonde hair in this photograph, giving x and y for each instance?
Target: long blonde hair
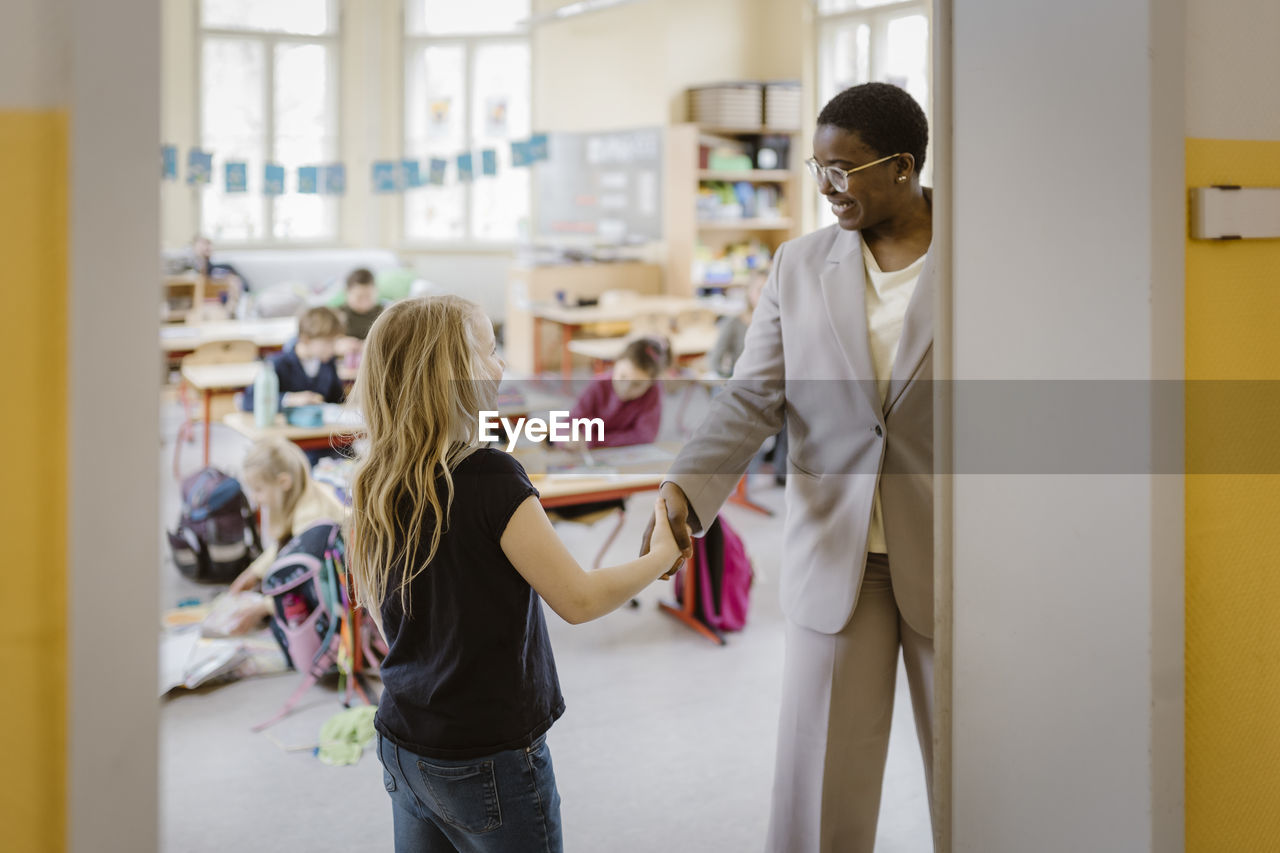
(266, 460)
(420, 389)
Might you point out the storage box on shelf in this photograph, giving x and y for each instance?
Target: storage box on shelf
(731, 196)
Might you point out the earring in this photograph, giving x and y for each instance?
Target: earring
(901, 178)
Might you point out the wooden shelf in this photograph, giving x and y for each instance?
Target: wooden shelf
(769, 176)
(744, 131)
(746, 225)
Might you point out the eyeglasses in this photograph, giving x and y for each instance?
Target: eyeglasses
(837, 177)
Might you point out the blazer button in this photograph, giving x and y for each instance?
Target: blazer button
(879, 431)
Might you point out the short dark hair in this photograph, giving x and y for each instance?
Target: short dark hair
(651, 354)
(358, 277)
(884, 116)
(318, 323)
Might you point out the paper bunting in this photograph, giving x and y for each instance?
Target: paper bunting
(489, 162)
(237, 177)
(335, 179)
(538, 148)
(435, 175)
(521, 153)
(466, 173)
(199, 167)
(273, 179)
(169, 162)
(309, 179)
(412, 174)
(385, 179)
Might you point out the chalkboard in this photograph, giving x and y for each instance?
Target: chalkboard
(604, 186)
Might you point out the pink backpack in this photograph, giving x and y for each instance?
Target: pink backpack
(724, 578)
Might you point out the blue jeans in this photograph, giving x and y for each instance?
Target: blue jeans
(502, 803)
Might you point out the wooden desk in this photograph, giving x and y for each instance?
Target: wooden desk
(572, 319)
(211, 379)
(686, 345)
(308, 438)
(268, 335)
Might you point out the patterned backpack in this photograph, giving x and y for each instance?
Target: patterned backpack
(312, 615)
(217, 534)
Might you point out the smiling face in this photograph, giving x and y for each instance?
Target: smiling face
(630, 381)
(874, 194)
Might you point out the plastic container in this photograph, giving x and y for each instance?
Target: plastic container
(266, 396)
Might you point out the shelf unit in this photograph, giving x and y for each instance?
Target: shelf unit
(683, 176)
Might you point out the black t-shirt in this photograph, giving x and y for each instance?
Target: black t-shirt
(358, 325)
(470, 670)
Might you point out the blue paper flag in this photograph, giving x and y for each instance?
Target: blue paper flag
(385, 179)
(273, 179)
(309, 179)
(466, 172)
(489, 161)
(521, 153)
(538, 148)
(411, 173)
(237, 176)
(335, 179)
(169, 161)
(199, 167)
(437, 167)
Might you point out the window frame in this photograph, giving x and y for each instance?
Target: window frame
(410, 43)
(269, 39)
(877, 19)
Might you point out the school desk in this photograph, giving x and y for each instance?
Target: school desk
(573, 489)
(212, 379)
(269, 335)
(572, 319)
(307, 437)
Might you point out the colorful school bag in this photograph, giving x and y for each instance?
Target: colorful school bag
(312, 615)
(724, 579)
(217, 534)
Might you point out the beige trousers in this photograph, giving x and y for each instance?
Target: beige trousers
(833, 732)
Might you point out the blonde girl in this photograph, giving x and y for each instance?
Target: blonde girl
(452, 553)
(277, 479)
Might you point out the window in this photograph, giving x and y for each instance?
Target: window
(467, 90)
(865, 40)
(268, 94)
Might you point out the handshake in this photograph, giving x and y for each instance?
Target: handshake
(671, 527)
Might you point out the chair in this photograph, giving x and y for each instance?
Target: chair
(238, 351)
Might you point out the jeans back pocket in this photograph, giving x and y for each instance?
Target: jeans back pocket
(465, 796)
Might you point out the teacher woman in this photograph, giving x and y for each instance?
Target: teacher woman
(841, 343)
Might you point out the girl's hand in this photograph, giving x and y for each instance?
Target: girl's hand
(246, 581)
(663, 541)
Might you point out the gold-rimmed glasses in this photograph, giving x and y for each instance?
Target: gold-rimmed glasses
(837, 177)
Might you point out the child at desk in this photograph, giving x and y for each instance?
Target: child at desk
(277, 479)
(359, 311)
(628, 398)
(451, 552)
(308, 373)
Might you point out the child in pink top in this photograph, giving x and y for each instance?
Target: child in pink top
(628, 399)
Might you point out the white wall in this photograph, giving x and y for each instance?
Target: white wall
(1233, 65)
(1067, 265)
(114, 51)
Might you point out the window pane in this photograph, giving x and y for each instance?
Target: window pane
(306, 134)
(907, 56)
(832, 7)
(451, 17)
(846, 60)
(232, 120)
(435, 106)
(305, 17)
(500, 112)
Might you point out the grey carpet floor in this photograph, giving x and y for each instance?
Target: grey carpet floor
(667, 743)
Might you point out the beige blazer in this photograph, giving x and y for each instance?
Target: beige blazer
(806, 352)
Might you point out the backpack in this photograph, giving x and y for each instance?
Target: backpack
(312, 613)
(217, 534)
(724, 578)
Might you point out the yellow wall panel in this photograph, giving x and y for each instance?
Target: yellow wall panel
(1233, 520)
(33, 494)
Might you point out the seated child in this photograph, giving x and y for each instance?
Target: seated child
(451, 552)
(733, 332)
(308, 373)
(277, 479)
(628, 398)
(360, 310)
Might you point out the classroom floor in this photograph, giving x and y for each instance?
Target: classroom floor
(667, 743)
